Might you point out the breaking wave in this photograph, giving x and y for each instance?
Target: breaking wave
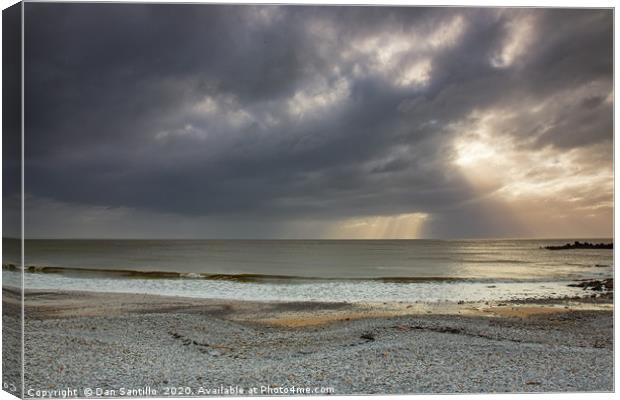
(240, 277)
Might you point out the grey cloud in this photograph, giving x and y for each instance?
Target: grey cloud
(187, 109)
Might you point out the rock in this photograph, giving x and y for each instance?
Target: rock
(606, 285)
(579, 245)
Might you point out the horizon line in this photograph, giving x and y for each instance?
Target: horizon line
(320, 239)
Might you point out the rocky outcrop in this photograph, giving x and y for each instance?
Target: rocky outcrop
(605, 285)
(580, 245)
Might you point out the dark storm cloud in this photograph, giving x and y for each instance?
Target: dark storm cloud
(11, 121)
(296, 113)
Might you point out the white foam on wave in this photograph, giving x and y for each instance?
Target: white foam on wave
(192, 275)
(322, 291)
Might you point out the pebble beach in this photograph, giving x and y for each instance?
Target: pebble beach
(154, 344)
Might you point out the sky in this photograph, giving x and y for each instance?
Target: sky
(222, 121)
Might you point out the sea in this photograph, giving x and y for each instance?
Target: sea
(365, 271)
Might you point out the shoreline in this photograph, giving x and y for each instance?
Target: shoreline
(112, 340)
(326, 291)
(45, 304)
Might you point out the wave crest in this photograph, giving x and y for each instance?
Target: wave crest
(239, 277)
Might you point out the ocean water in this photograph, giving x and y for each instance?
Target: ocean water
(317, 270)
